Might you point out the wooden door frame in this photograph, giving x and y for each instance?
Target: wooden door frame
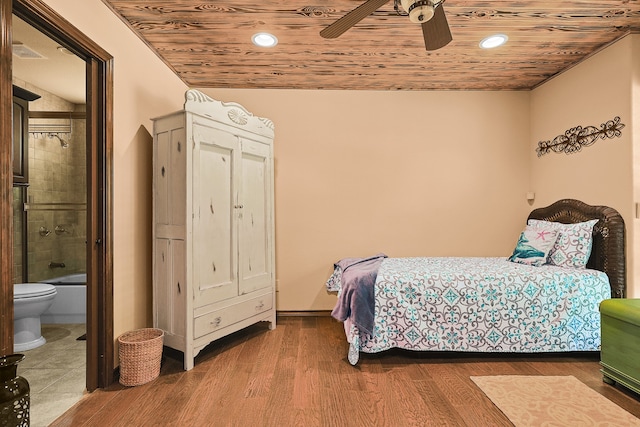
(99, 90)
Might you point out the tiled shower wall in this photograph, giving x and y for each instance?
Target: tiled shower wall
(56, 196)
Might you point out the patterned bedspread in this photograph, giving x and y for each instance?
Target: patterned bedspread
(482, 305)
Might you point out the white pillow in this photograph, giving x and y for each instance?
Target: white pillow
(534, 245)
(573, 245)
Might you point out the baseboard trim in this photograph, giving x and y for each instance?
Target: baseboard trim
(306, 313)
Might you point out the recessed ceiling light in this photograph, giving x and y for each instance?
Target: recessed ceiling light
(493, 41)
(264, 40)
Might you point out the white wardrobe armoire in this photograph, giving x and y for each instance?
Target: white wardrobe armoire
(213, 226)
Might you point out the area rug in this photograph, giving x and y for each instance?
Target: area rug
(552, 401)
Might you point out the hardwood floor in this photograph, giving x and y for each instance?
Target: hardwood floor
(298, 375)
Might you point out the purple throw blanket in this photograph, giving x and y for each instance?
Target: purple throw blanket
(356, 278)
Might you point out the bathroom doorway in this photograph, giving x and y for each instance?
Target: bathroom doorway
(50, 217)
(50, 198)
(89, 219)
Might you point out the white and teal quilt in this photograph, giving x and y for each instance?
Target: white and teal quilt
(482, 305)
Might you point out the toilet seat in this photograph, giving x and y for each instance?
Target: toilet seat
(32, 290)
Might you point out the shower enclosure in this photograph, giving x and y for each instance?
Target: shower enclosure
(50, 218)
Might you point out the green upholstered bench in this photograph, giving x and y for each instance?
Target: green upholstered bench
(620, 351)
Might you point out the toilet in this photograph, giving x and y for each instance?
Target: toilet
(30, 300)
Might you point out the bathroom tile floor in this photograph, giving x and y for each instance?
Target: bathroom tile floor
(56, 372)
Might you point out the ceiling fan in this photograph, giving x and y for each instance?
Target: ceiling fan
(428, 13)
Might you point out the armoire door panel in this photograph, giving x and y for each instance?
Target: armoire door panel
(161, 294)
(170, 171)
(178, 178)
(178, 288)
(214, 186)
(162, 175)
(168, 287)
(255, 220)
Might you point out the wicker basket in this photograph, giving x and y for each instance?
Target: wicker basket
(140, 356)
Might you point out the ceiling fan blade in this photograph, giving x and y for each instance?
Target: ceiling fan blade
(352, 18)
(436, 30)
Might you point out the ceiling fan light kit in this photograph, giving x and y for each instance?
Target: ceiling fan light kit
(419, 10)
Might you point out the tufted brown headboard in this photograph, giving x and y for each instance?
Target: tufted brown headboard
(608, 252)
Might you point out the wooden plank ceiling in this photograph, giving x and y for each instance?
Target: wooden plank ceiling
(208, 42)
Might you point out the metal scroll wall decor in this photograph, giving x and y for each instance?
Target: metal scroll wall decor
(577, 137)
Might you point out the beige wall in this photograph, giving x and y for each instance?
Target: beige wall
(404, 173)
(143, 88)
(591, 93)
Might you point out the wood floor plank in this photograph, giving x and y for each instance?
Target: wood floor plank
(298, 374)
(215, 368)
(306, 380)
(175, 397)
(403, 394)
(117, 407)
(155, 395)
(438, 409)
(278, 407)
(87, 407)
(225, 398)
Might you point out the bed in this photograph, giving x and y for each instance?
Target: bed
(547, 303)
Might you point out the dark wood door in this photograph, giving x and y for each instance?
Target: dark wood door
(99, 170)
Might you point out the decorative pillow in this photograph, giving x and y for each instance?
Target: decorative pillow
(534, 245)
(574, 243)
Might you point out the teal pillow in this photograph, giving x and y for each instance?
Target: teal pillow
(534, 245)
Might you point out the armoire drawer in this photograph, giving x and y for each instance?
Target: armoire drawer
(224, 317)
